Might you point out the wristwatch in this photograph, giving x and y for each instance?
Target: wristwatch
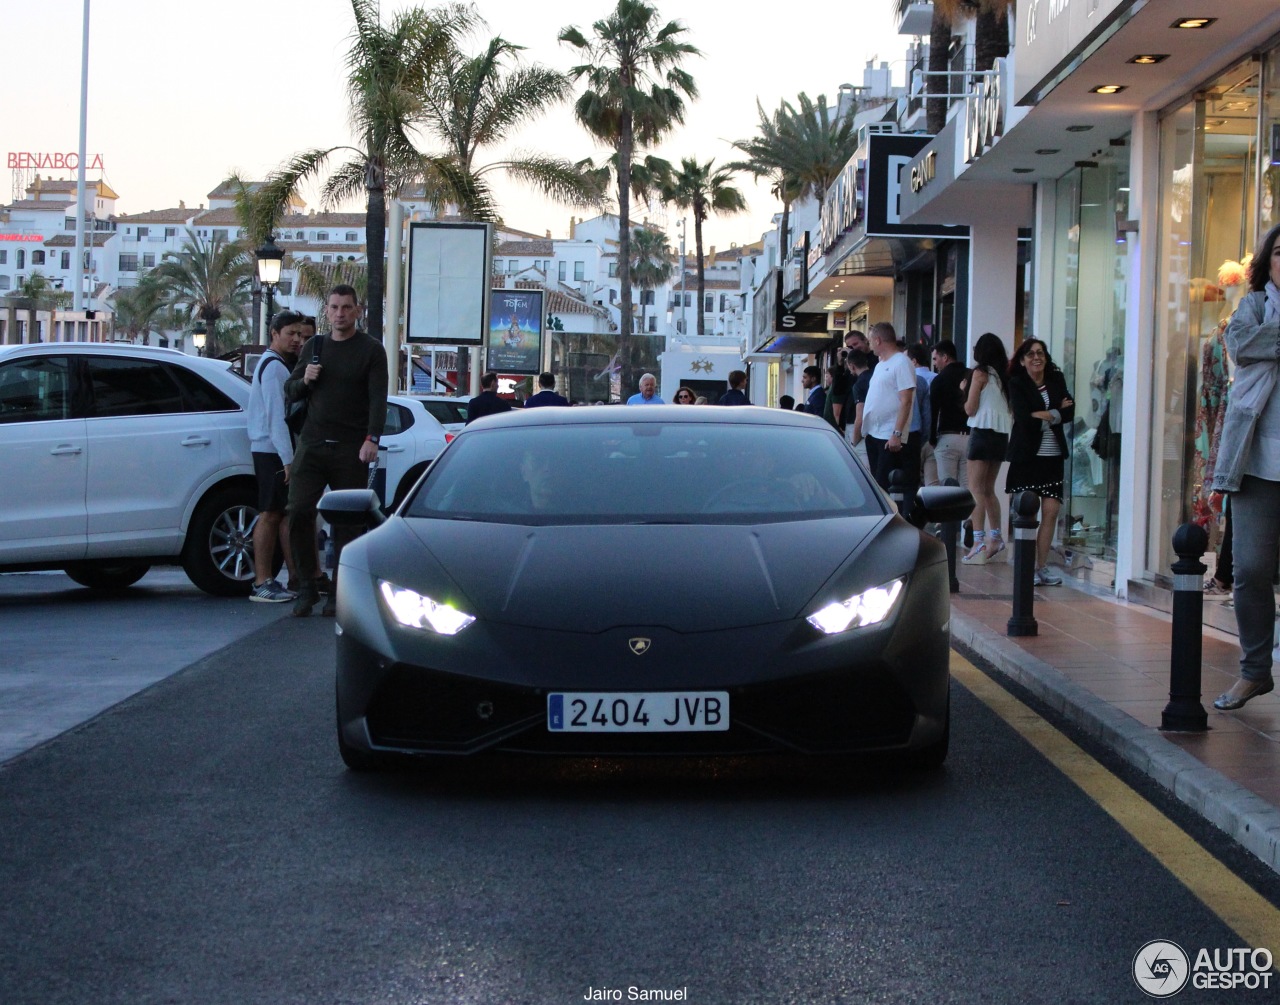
(371, 439)
(897, 433)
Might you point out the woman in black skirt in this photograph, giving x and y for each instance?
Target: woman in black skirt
(1037, 456)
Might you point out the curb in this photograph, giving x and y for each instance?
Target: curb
(1245, 817)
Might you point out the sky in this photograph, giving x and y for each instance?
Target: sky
(183, 93)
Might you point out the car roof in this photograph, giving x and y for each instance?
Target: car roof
(751, 415)
(62, 348)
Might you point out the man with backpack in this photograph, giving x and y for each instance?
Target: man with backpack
(272, 447)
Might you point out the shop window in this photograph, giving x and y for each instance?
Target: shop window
(1209, 205)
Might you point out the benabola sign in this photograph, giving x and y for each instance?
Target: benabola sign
(59, 162)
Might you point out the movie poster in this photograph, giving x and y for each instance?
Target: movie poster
(515, 331)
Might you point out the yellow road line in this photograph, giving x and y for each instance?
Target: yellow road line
(1255, 920)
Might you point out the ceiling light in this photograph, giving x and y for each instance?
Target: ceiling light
(1215, 123)
(1193, 22)
(1107, 89)
(1047, 151)
(1079, 129)
(1149, 58)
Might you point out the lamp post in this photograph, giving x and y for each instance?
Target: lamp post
(198, 334)
(684, 328)
(269, 255)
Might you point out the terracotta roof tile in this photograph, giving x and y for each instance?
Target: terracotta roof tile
(538, 247)
(180, 214)
(99, 238)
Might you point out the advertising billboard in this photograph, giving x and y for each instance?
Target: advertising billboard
(516, 326)
(448, 283)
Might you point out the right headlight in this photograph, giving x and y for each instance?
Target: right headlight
(862, 609)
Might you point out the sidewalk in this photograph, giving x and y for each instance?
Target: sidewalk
(1104, 663)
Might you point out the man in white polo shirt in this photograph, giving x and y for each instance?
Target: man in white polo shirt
(886, 415)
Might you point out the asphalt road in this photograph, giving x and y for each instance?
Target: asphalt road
(201, 843)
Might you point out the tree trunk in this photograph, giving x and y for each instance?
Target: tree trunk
(785, 229)
(939, 45)
(375, 229)
(991, 38)
(625, 150)
(702, 279)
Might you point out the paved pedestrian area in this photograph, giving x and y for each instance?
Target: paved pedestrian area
(1105, 664)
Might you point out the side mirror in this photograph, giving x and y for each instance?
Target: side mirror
(941, 504)
(352, 508)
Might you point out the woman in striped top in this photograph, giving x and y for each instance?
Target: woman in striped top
(1041, 407)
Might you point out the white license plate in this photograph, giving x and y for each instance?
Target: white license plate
(638, 712)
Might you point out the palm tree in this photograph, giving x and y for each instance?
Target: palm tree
(991, 41)
(36, 293)
(650, 263)
(633, 96)
(209, 280)
(771, 154)
(389, 70)
(315, 279)
(704, 189)
(475, 101)
(138, 310)
(823, 141)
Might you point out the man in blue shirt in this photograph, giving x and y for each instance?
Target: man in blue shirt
(648, 392)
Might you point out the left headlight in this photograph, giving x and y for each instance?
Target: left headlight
(867, 608)
(413, 610)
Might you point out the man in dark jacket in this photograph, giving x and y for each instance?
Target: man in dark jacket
(546, 396)
(487, 401)
(343, 377)
(811, 381)
(736, 395)
(950, 424)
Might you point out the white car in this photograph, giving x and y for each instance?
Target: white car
(449, 410)
(411, 440)
(119, 457)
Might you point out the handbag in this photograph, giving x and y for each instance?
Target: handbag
(295, 416)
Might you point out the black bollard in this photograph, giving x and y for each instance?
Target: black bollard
(1185, 713)
(896, 491)
(950, 535)
(1026, 510)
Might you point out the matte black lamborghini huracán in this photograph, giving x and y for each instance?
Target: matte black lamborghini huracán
(670, 580)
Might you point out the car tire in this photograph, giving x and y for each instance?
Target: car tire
(356, 759)
(932, 757)
(107, 575)
(218, 554)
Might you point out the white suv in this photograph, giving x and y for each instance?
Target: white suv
(116, 458)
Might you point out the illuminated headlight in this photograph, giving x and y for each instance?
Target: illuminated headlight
(867, 608)
(413, 610)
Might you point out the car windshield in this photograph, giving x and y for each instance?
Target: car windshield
(645, 472)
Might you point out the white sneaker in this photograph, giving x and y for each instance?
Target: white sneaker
(1048, 577)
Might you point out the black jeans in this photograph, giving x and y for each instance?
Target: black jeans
(884, 461)
(316, 465)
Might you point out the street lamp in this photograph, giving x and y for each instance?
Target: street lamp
(198, 337)
(269, 255)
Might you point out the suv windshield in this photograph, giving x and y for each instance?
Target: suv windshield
(645, 473)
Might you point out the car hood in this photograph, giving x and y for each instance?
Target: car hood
(595, 578)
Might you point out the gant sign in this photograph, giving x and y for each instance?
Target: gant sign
(924, 171)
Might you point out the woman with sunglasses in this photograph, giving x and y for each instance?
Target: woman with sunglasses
(1041, 406)
(684, 397)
